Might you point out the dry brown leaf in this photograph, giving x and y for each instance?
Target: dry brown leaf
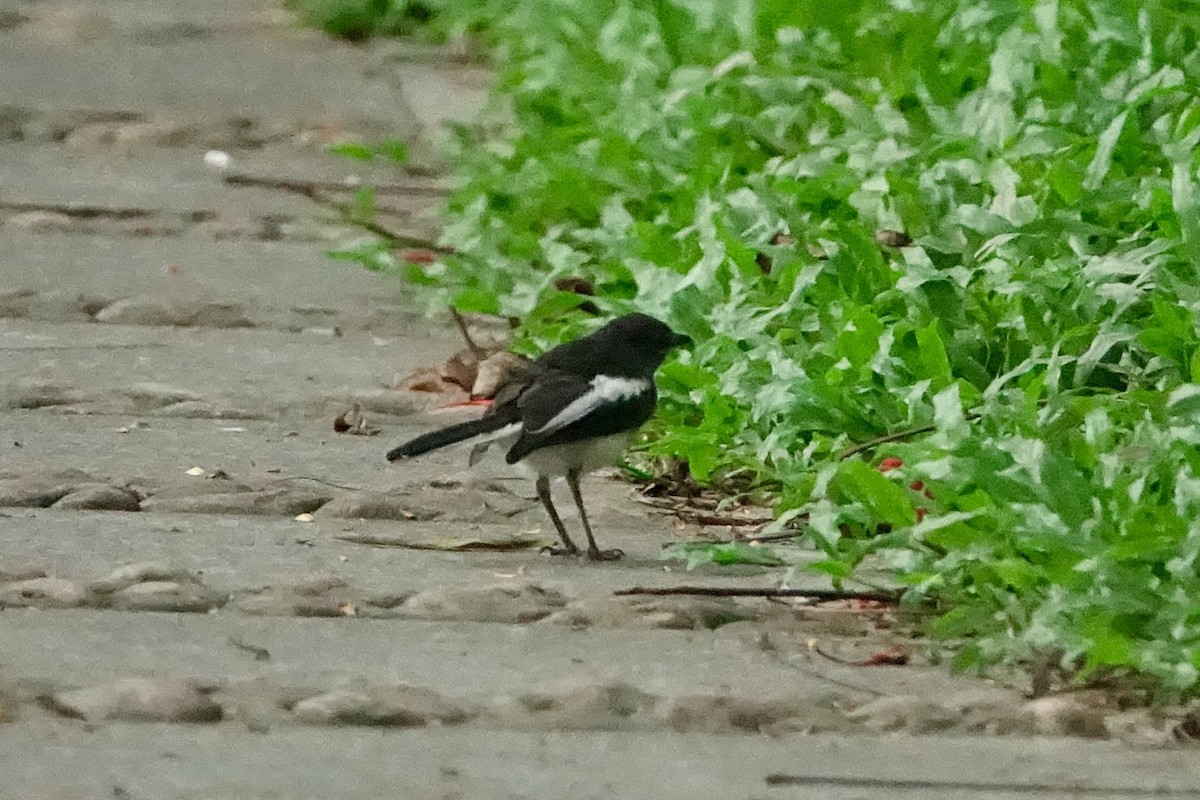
(423, 379)
(891, 238)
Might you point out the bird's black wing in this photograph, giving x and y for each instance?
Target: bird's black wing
(560, 407)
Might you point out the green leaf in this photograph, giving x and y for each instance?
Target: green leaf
(355, 150)
(476, 300)
(722, 553)
(364, 204)
(373, 254)
(933, 362)
(838, 570)
(886, 501)
(393, 149)
(1102, 161)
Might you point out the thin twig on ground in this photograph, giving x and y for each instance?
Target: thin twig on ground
(461, 322)
(816, 648)
(313, 190)
(745, 591)
(395, 237)
(310, 187)
(775, 537)
(725, 521)
(314, 480)
(706, 511)
(813, 672)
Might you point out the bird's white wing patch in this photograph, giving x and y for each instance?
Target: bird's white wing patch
(510, 430)
(604, 389)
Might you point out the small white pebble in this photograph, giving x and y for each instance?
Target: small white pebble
(304, 517)
(217, 159)
(194, 471)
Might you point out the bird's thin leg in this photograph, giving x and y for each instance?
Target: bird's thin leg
(568, 548)
(594, 552)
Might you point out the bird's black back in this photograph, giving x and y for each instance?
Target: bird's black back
(630, 346)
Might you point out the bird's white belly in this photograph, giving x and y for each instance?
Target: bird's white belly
(584, 456)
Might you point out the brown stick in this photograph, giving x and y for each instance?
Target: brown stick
(313, 191)
(461, 322)
(719, 520)
(745, 591)
(774, 537)
(309, 188)
(395, 237)
(895, 437)
(891, 437)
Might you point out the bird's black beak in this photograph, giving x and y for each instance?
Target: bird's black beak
(679, 340)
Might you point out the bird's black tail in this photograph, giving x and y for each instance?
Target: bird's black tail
(445, 436)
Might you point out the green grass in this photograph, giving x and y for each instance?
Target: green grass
(726, 164)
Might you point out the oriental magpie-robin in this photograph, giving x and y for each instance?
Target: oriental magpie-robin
(573, 410)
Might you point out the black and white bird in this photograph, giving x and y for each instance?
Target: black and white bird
(573, 410)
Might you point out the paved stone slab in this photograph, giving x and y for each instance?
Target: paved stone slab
(185, 373)
(116, 15)
(171, 762)
(63, 58)
(173, 192)
(237, 552)
(461, 659)
(60, 278)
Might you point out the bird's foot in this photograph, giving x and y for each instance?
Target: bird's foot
(560, 550)
(596, 554)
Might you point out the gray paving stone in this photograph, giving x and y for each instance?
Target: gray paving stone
(139, 700)
(76, 647)
(277, 284)
(82, 56)
(172, 191)
(177, 762)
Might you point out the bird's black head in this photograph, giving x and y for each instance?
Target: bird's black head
(633, 345)
(645, 331)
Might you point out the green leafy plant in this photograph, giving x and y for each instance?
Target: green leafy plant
(358, 20)
(697, 553)
(361, 19)
(742, 168)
